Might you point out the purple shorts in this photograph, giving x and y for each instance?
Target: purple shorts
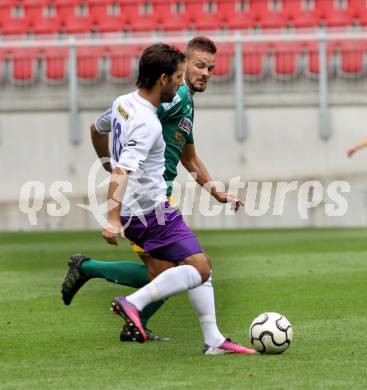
(162, 234)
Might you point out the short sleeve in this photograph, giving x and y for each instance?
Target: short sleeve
(103, 122)
(190, 138)
(137, 146)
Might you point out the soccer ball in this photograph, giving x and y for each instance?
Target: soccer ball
(271, 333)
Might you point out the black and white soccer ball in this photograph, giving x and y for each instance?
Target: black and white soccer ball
(271, 333)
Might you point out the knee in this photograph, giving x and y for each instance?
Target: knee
(202, 263)
(205, 273)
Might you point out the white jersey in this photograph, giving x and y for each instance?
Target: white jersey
(138, 147)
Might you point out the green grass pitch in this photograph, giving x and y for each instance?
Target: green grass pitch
(317, 278)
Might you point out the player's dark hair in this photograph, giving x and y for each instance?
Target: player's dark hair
(201, 44)
(156, 60)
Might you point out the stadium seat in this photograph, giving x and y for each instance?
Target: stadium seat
(237, 14)
(203, 15)
(6, 10)
(313, 59)
(14, 19)
(359, 11)
(89, 62)
(269, 17)
(333, 15)
(15, 26)
(286, 59)
(224, 61)
(108, 15)
(140, 15)
(121, 63)
(23, 65)
(110, 24)
(75, 17)
(55, 64)
(351, 61)
(254, 60)
(43, 17)
(46, 25)
(171, 15)
(301, 16)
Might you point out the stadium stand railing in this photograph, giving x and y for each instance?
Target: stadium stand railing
(241, 58)
(98, 59)
(60, 41)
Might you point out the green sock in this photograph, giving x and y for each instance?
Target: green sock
(126, 273)
(149, 311)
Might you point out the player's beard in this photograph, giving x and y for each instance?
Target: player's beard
(194, 88)
(167, 95)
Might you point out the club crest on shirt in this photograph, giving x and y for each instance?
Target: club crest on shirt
(123, 112)
(185, 124)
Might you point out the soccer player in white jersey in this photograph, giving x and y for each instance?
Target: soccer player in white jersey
(138, 167)
(138, 161)
(130, 273)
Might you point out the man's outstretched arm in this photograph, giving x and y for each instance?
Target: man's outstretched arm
(359, 145)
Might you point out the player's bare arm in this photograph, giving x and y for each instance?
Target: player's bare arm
(191, 161)
(116, 191)
(359, 145)
(100, 144)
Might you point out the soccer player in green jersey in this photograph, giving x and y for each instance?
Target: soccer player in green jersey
(177, 123)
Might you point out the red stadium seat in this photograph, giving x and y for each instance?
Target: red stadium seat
(140, 15)
(55, 64)
(203, 15)
(237, 14)
(110, 24)
(6, 10)
(224, 61)
(14, 19)
(286, 59)
(352, 58)
(171, 15)
(43, 17)
(313, 58)
(334, 16)
(271, 14)
(24, 65)
(121, 63)
(108, 15)
(47, 25)
(15, 26)
(75, 17)
(254, 60)
(89, 61)
(359, 11)
(301, 16)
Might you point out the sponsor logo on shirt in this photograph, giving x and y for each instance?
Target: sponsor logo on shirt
(123, 112)
(185, 124)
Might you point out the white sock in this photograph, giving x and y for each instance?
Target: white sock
(202, 300)
(170, 282)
